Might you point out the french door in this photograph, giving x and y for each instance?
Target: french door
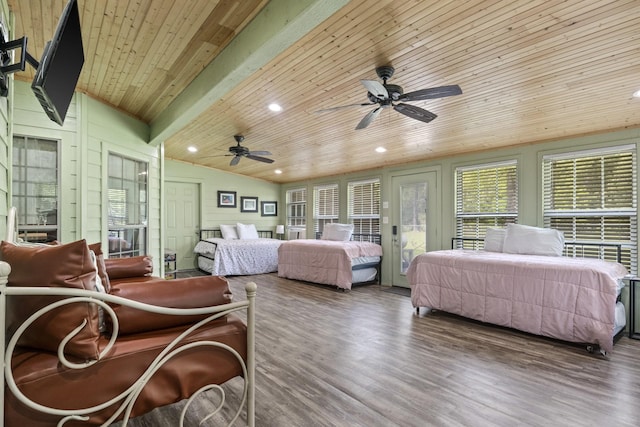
(413, 214)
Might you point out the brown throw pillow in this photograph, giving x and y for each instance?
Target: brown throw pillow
(135, 266)
(191, 292)
(66, 266)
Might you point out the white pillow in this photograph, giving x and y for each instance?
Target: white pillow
(523, 239)
(494, 239)
(228, 232)
(102, 326)
(247, 231)
(338, 232)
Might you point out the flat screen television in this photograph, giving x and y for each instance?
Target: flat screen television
(60, 65)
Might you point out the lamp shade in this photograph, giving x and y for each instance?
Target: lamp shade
(279, 229)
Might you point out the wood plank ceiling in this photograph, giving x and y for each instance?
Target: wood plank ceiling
(530, 71)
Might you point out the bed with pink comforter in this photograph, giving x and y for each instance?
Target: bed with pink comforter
(571, 299)
(328, 262)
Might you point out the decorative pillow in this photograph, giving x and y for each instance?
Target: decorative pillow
(99, 288)
(102, 270)
(66, 266)
(524, 239)
(494, 239)
(228, 232)
(135, 266)
(247, 231)
(338, 232)
(191, 292)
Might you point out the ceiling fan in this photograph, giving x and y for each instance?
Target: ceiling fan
(238, 151)
(386, 95)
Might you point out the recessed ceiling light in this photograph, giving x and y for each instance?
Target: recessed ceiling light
(192, 149)
(275, 107)
(278, 171)
(381, 149)
(636, 94)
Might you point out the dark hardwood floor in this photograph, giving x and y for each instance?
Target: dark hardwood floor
(363, 358)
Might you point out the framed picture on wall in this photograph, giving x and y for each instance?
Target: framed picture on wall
(248, 204)
(226, 199)
(269, 208)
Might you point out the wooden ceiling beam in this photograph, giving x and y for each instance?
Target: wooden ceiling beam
(279, 25)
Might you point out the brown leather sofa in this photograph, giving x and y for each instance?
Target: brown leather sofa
(118, 341)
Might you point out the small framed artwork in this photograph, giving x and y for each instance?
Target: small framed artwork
(226, 199)
(248, 204)
(269, 208)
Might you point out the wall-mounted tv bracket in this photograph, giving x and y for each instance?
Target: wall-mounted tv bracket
(5, 60)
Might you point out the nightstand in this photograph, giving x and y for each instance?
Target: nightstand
(170, 270)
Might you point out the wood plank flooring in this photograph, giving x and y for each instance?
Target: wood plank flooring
(363, 358)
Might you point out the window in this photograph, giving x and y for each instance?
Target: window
(35, 188)
(486, 196)
(297, 207)
(127, 205)
(325, 206)
(591, 196)
(364, 206)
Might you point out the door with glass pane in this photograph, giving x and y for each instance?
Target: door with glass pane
(413, 220)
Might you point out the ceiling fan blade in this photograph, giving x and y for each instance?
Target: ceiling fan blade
(234, 161)
(258, 158)
(366, 120)
(375, 88)
(326, 110)
(259, 153)
(431, 93)
(415, 112)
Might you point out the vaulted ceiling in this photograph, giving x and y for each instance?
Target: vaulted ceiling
(201, 71)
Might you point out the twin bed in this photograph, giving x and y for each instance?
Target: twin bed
(222, 256)
(528, 285)
(340, 263)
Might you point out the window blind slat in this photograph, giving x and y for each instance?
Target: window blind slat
(592, 196)
(363, 208)
(486, 196)
(325, 205)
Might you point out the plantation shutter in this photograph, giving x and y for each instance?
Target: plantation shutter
(364, 206)
(486, 196)
(591, 196)
(325, 206)
(297, 207)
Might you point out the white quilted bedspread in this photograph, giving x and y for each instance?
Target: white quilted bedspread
(240, 257)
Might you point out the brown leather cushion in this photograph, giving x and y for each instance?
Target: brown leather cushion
(191, 292)
(66, 266)
(102, 270)
(136, 266)
(41, 377)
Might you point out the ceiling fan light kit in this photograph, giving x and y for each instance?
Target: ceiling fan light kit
(392, 96)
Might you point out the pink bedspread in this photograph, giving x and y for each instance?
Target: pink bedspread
(322, 261)
(571, 299)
